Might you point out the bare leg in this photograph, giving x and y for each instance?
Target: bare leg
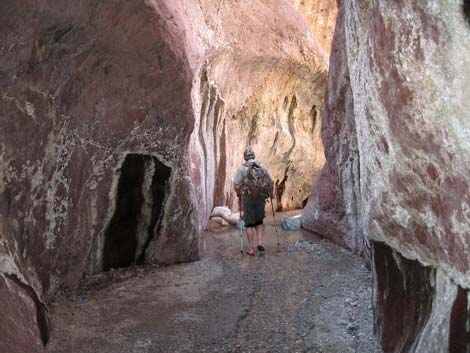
(250, 235)
(259, 232)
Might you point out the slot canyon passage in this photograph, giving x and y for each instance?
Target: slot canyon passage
(124, 122)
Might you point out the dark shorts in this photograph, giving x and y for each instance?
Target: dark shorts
(253, 210)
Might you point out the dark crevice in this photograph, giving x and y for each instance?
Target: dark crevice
(121, 241)
(205, 109)
(159, 190)
(221, 170)
(403, 302)
(313, 114)
(291, 125)
(280, 187)
(466, 10)
(304, 202)
(459, 331)
(120, 238)
(286, 102)
(42, 317)
(219, 145)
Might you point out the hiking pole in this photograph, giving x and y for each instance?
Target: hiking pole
(241, 225)
(274, 217)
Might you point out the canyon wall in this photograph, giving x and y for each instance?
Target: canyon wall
(85, 121)
(321, 18)
(123, 123)
(396, 184)
(262, 85)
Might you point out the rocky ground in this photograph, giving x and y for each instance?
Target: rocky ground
(306, 295)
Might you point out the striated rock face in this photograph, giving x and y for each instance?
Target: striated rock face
(332, 209)
(82, 93)
(396, 134)
(123, 123)
(262, 85)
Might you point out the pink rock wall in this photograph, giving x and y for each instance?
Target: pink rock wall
(19, 320)
(121, 124)
(265, 93)
(78, 96)
(395, 129)
(321, 18)
(84, 86)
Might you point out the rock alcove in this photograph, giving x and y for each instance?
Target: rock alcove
(140, 199)
(129, 119)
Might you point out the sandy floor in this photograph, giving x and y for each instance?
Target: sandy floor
(306, 295)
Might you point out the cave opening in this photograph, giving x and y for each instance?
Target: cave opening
(466, 10)
(158, 190)
(136, 221)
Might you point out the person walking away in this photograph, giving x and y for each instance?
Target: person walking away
(253, 185)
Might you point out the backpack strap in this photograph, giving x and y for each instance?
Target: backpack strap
(250, 164)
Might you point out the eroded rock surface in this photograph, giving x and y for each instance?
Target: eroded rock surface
(124, 122)
(396, 133)
(262, 85)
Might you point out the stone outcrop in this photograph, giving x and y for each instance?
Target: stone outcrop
(124, 122)
(396, 132)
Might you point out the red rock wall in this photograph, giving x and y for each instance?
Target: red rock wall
(332, 209)
(115, 104)
(395, 129)
(83, 85)
(18, 320)
(81, 89)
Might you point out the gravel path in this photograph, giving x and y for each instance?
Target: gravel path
(307, 295)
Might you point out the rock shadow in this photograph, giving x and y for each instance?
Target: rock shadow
(140, 199)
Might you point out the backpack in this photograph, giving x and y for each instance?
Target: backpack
(257, 181)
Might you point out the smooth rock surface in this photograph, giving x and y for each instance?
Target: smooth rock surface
(396, 133)
(321, 18)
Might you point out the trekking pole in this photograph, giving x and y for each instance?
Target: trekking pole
(241, 225)
(274, 217)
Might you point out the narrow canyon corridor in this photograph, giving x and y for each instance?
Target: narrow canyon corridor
(307, 295)
(123, 125)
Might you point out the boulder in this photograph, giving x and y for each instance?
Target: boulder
(396, 132)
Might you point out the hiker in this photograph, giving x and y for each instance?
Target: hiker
(253, 186)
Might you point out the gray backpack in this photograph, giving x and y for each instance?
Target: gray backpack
(257, 181)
